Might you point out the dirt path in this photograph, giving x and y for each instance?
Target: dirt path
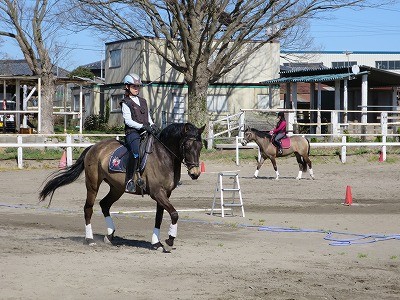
(44, 257)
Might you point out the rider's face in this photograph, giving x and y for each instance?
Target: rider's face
(133, 89)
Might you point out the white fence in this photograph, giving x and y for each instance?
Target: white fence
(338, 131)
(232, 126)
(68, 145)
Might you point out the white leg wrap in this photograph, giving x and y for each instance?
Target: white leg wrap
(300, 175)
(155, 238)
(173, 229)
(256, 173)
(277, 175)
(110, 225)
(311, 173)
(88, 231)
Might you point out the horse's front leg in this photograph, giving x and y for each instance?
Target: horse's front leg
(273, 161)
(163, 203)
(259, 164)
(155, 238)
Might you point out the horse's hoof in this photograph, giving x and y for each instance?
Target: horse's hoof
(109, 238)
(276, 178)
(298, 178)
(157, 246)
(167, 248)
(90, 242)
(312, 177)
(169, 243)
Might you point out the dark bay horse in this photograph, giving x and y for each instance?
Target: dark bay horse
(178, 143)
(299, 145)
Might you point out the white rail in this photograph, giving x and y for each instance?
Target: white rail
(343, 145)
(68, 145)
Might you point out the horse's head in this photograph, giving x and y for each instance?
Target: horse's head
(248, 136)
(191, 145)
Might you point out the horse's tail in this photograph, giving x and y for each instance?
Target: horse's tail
(63, 177)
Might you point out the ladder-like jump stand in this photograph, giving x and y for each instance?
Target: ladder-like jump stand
(235, 188)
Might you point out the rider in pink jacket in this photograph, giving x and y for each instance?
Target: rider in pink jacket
(279, 132)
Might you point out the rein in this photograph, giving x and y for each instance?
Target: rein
(188, 165)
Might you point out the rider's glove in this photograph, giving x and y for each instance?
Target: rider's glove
(147, 128)
(154, 128)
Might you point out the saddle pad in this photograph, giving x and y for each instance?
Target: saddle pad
(119, 160)
(285, 142)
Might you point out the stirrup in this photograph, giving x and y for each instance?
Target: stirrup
(130, 187)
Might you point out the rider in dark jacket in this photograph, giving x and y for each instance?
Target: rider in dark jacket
(279, 132)
(137, 119)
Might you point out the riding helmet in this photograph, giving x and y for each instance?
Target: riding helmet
(132, 79)
(281, 114)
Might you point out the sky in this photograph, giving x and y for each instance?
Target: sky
(372, 29)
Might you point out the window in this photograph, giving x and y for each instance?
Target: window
(388, 64)
(86, 97)
(115, 100)
(115, 58)
(341, 64)
(217, 103)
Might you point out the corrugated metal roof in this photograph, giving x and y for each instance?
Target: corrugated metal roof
(314, 78)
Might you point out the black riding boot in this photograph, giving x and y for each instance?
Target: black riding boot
(280, 151)
(130, 184)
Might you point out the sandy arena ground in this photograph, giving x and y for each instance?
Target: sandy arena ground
(43, 255)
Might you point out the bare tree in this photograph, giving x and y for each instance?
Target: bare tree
(206, 39)
(31, 25)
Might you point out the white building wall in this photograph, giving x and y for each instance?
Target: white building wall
(366, 58)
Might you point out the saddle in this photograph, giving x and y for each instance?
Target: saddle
(119, 159)
(285, 142)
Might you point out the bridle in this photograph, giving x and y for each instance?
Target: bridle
(188, 164)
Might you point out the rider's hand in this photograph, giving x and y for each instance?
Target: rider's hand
(155, 129)
(147, 128)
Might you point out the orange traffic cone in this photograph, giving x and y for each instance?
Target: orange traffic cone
(202, 167)
(380, 156)
(63, 161)
(349, 198)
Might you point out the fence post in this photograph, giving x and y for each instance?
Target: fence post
(237, 150)
(343, 154)
(241, 125)
(210, 139)
(335, 123)
(19, 141)
(384, 119)
(68, 139)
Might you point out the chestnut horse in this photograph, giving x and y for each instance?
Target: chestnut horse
(176, 144)
(299, 145)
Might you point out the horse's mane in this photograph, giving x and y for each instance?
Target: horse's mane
(175, 131)
(261, 133)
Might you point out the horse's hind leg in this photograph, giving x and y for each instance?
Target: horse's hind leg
(302, 165)
(92, 189)
(307, 161)
(113, 195)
